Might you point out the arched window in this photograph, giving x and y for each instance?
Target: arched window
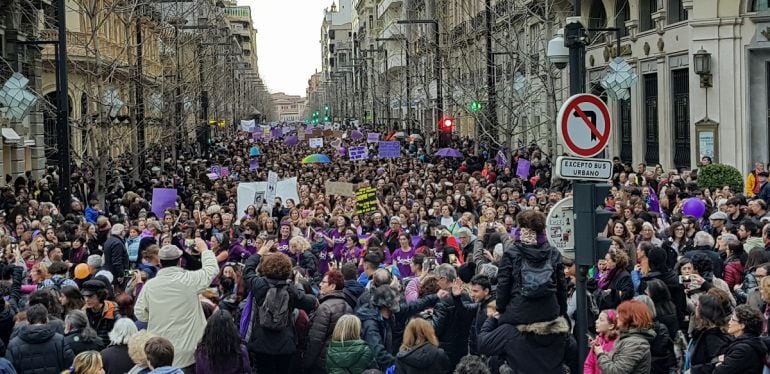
(597, 18)
(622, 14)
(646, 9)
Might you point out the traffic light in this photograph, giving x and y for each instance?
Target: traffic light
(590, 221)
(475, 106)
(447, 124)
(326, 108)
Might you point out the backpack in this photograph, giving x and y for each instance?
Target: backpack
(274, 311)
(537, 279)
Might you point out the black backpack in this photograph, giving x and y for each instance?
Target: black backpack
(537, 279)
(274, 311)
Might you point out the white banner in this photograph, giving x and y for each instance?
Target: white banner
(248, 192)
(248, 126)
(316, 142)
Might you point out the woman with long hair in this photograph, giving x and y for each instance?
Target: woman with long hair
(631, 352)
(71, 299)
(616, 286)
(709, 339)
(420, 352)
(220, 350)
(606, 335)
(347, 353)
(751, 279)
(88, 362)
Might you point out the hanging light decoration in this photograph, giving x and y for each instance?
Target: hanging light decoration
(15, 97)
(619, 77)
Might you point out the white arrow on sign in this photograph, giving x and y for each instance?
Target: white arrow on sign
(587, 169)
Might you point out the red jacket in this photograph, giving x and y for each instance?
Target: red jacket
(733, 273)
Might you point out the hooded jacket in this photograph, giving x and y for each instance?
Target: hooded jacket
(38, 349)
(352, 291)
(706, 345)
(514, 308)
(322, 322)
(539, 347)
(348, 357)
(745, 354)
(423, 359)
(630, 355)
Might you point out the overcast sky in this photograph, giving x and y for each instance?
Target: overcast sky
(288, 46)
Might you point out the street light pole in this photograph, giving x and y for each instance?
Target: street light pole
(63, 126)
(491, 87)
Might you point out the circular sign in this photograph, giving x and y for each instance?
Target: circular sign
(584, 125)
(560, 227)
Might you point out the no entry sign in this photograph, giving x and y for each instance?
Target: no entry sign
(584, 125)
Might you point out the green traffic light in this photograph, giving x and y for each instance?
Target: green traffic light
(475, 106)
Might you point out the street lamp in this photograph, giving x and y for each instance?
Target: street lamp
(702, 62)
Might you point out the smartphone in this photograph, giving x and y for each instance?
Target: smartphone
(452, 258)
(684, 279)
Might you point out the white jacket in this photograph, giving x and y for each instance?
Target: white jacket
(170, 306)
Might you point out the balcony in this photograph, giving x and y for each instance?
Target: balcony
(241, 13)
(385, 5)
(393, 30)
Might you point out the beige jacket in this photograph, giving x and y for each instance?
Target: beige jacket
(170, 306)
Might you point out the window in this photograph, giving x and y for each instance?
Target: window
(331, 34)
(598, 16)
(623, 14)
(676, 12)
(646, 9)
(759, 5)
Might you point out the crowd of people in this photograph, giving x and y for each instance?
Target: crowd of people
(451, 273)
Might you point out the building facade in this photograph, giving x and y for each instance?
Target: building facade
(288, 108)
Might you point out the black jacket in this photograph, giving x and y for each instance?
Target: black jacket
(514, 308)
(267, 341)
(115, 257)
(78, 344)
(678, 297)
(707, 345)
(745, 354)
(38, 349)
(423, 359)
(662, 350)
(716, 260)
(308, 261)
(116, 359)
(535, 348)
(377, 331)
(620, 289)
(322, 322)
(452, 323)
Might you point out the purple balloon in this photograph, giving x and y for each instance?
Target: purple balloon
(694, 207)
(341, 150)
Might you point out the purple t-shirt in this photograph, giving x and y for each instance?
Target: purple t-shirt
(283, 246)
(339, 242)
(402, 260)
(351, 255)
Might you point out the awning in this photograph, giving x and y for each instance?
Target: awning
(10, 136)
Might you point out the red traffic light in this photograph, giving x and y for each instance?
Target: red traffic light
(447, 124)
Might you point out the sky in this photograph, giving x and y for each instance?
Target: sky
(288, 45)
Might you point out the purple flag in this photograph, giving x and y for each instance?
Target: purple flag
(501, 158)
(276, 133)
(162, 199)
(654, 202)
(291, 141)
(253, 165)
(522, 168)
(216, 169)
(213, 176)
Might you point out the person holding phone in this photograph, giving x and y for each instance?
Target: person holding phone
(607, 335)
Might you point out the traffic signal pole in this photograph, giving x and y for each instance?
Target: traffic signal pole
(589, 247)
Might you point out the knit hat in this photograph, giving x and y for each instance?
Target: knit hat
(466, 271)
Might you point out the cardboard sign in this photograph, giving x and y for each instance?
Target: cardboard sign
(372, 137)
(339, 188)
(522, 168)
(317, 133)
(316, 142)
(162, 199)
(301, 135)
(366, 200)
(285, 189)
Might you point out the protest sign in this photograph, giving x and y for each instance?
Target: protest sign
(358, 153)
(276, 133)
(248, 126)
(339, 189)
(390, 149)
(224, 172)
(253, 165)
(522, 168)
(301, 134)
(316, 142)
(216, 169)
(366, 200)
(272, 186)
(162, 199)
(285, 189)
(372, 137)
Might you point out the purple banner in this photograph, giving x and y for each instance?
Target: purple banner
(216, 169)
(276, 133)
(256, 135)
(162, 199)
(522, 168)
(390, 149)
(253, 165)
